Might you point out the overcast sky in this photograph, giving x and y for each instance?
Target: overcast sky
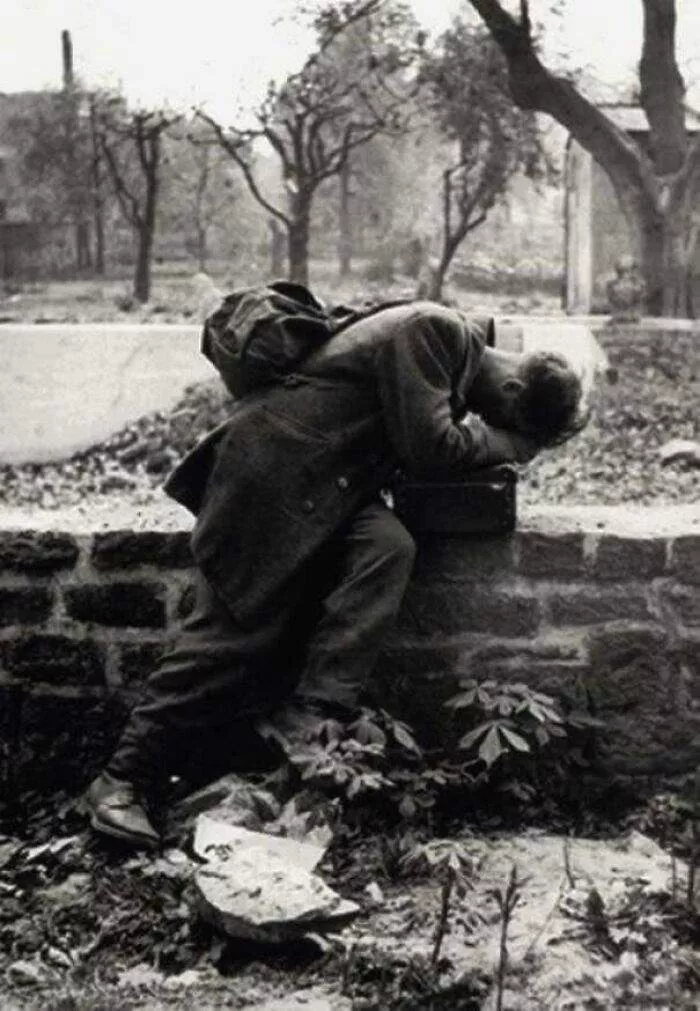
(218, 51)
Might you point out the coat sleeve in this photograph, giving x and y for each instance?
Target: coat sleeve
(417, 369)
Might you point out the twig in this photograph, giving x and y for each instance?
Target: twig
(507, 899)
(441, 928)
(567, 863)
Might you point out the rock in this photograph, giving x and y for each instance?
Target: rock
(230, 800)
(26, 973)
(216, 840)
(374, 894)
(261, 887)
(680, 451)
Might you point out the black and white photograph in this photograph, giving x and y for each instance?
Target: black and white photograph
(350, 505)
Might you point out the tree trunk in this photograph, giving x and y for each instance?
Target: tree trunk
(142, 271)
(202, 251)
(98, 219)
(345, 223)
(276, 248)
(298, 246)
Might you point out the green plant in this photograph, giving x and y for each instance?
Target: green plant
(451, 862)
(510, 719)
(507, 899)
(355, 759)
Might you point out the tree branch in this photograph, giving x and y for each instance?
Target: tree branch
(233, 151)
(536, 88)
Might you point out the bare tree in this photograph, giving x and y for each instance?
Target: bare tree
(658, 187)
(132, 147)
(318, 116)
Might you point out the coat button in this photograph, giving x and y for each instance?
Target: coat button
(343, 482)
(308, 506)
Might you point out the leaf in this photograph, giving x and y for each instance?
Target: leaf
(405, 738)
(491, 748)
(470, 739)
(461, 701)
(515, 740)
(542, 736)
(407, 807)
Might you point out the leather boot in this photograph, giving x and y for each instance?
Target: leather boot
(115, 809)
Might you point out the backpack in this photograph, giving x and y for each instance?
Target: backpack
(259, 335)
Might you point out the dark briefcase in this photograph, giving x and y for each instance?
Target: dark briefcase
(483, 502)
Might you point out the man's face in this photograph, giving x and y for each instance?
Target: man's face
(500, 408)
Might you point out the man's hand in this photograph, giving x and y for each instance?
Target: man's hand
(498, 445)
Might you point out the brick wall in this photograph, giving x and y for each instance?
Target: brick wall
(590, 615)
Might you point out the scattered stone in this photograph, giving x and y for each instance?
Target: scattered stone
(680, 451)
(374, 894)
(216, 840)
(261, 887)
(229, 800)
(26, 973)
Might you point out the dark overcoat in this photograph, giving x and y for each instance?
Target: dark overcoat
(293, 463)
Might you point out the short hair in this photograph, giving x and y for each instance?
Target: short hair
(548, 407)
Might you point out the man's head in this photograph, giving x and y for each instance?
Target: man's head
(538, 395)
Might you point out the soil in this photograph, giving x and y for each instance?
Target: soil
(86, 925)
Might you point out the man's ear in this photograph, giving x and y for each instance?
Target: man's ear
(512, 387)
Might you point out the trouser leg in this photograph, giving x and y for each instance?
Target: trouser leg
(217, 680)
(368, 566)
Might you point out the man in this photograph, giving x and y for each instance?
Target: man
(302, 566)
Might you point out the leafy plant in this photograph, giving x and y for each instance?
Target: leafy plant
(507, 899)
(514, 720)
(451, 862)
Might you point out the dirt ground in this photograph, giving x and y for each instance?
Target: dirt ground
(595, 922)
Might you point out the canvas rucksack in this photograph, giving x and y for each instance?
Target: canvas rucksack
(260, 334)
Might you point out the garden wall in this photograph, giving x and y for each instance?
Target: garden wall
(610, 618)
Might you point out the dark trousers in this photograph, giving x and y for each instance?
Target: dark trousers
(318, 643)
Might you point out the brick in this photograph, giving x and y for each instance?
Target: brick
(550, 556)
(685, 559)
(39, 553)
(118, 605)
(186, 602)
(620, 558)
(483, 559)
(589, 606)
(65, 742)
(55, 659)
(24, 605)
(686, 602)
(127, 549)
(454, 610)
(640, 689)
(138, 659)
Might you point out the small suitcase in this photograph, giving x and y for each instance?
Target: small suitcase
(484, 502)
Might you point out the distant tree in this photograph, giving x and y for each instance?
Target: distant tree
(60, 167)
(317, 117)
(202, 189)
(132, 145)
(657, 185)
(490, 139)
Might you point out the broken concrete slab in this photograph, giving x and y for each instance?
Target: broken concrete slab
(262, 887)
(216, 841)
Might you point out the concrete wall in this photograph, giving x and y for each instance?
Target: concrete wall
(84, 618)
(65, 387)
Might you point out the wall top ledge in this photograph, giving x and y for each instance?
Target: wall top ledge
(161, 514)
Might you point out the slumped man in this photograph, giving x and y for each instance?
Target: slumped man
(301, 565)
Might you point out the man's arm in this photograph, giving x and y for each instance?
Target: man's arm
(416, 370)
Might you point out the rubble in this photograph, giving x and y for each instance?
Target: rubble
(262, 887)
